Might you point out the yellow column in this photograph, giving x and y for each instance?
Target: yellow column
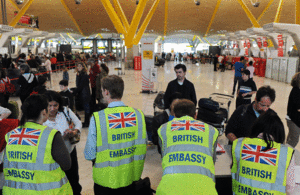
(265, 10)
(200, 39)
(71, 16)
(277, 17)
(113, 16)
(14, 4)
(134, 23)
(145, 23)
(249, 14)
(16, 19)
(121, 14)
(207, 41)
(213, 17)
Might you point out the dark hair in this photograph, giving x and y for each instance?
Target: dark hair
(265, 91)
(271, 126)
(115, 85)
(2, 73)
(32, 107)
(250, 63)
(246, 72)
(178, 66)
(184, 107)
(42, 80)
(175, 95)
(55, 96)
(242, 58)
(105, 68)
(25, 67)
(296, 80)
(64, 82)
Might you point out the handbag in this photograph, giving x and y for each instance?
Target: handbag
(143, 186)
(76, 138)
(9, 87)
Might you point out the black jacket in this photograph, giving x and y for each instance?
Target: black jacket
(187, 90)
(294, 106)
(83, 87)
(158, 121)
(241, 121)
(27, 83)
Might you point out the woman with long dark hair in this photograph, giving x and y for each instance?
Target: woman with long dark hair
(36, 151)
(83, 91)
(262, 162)
(60, 118)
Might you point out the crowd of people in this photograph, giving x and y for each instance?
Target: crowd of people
(40, 155)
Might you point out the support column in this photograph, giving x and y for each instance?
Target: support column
(129, 58)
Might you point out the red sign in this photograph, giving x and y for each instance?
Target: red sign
(279, 37)
(280, 52)
(265, 43)
(245, 44)
(137, 63)
(246, 52)
(259, 43)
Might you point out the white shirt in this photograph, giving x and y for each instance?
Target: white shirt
(251, 69)
(61, 124)
(4, 110)
(47, 65)
(220, 58)
(251, 59)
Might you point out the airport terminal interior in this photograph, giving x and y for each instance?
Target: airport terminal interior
(142, 41)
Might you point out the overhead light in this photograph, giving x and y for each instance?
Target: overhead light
(255, 4)
(19, 2)
(197, 2)
(137, 2)
(78, 1)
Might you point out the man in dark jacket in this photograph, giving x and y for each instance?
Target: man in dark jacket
(162, 118)
(181, 85)
(242, 119)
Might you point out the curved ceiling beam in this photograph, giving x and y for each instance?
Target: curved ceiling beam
(213, 17)
(16, 19)
(141, 31)
(14, 4)
(121, 14)
(166, 16)
(278, 13)
(113, 16)
(265, 10)
(249, 14)
(71, 16)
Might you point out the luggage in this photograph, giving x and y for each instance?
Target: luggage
(159, 102)
(209, 104)
(14, 108)
(209, 116)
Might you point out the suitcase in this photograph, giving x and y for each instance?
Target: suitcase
(14, 108)
(211, 117)
(209, 104)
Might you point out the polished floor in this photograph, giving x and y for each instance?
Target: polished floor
(206, 82)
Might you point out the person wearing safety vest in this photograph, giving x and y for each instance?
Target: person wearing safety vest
(262, 164)
(35, 155)
(188, 153)
(116, 142)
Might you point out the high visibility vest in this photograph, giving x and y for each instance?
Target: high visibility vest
(121, 146)
(187, 157)
(29, 167)
(259, 172)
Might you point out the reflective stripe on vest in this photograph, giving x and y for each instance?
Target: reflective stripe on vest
(278, 185)
(190, 148)
(36, 187)
(37, 166)
(101, 121)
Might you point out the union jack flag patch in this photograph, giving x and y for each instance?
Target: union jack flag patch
(121, 120)
(253, 153)
(187, 125)
(24, 136)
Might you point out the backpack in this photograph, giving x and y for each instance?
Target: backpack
(9, 87)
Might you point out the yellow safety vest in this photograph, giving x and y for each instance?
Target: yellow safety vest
(259, 172)
(121, 146)
(29, 167)
(187, 157)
